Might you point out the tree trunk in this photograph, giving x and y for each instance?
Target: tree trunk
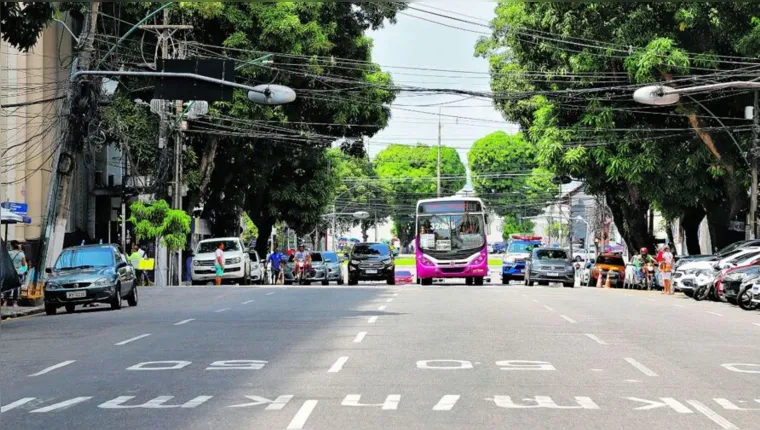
(690, 221)
(629, 212)
(671, 237)
(265, 225)
(365, 228)
(206, 168)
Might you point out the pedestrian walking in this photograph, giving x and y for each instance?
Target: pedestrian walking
(666, 267)
(20, 265)
(276, 261)
(219, 263)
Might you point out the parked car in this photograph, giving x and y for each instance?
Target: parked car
(732, 282)
(608, 264)
(90, 274)
(326, 268)
(258, 268)
(742, 244)
(371, 262)
(546, 265)
(237, 262)
(404, 277)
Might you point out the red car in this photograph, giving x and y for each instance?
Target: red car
(404, 277)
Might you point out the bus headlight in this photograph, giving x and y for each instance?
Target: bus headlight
(426, 262)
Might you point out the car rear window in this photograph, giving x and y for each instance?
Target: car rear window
(611, 260)
(551, 254)
(372, 249)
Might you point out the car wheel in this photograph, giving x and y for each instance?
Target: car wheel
(543, 283)
(196, 282)
(70, 308)
(340, 281)
(116, 300)
(325, 282)
(50, 309)
(568, 284)
(352, 281)
(505, 279)
(391, 280)
(745, 300)
(468, 280)
(688, 293)
(426, 281)
(478, 280)
(132, 297)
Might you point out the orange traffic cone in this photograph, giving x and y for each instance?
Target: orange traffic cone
(607, 282)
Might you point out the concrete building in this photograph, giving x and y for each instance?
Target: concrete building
(31, 124)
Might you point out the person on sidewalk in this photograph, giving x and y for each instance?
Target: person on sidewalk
(219, 263)
(666, 266)
(19, 263)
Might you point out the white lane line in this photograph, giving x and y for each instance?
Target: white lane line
(381, 308)
(17, 403)
(389, 300)
(222, 310)
(711, 414)
(548, 308)
(338, 365)
(53, 367)
(395, 295)
(535, 301)
(372, 320)
(61, 405)
(302, 415)
(568, 319)
(757, 324)
(185, 321)
(679, 306)
(360, 336)
(124, 342)
(596, 339)
(248, 301)
(645, 370)
(446, 403)
(269, 294)
(714, 313)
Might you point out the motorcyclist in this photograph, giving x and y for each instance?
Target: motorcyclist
(302, 255)
(639, 261)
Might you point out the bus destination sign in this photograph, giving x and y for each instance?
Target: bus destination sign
(449, 207)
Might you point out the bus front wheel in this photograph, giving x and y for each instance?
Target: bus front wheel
(426, 281)
(479, 280)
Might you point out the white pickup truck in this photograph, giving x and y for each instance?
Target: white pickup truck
(237, 262)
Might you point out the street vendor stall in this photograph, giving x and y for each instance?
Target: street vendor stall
(31, 291)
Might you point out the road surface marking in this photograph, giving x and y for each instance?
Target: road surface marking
(678, 306)
(568, 319)
(269, 294)
(338, 365)
(389, 300)
(395, 295)
(184, 321)
(597, 370)
(61, 405)
(17, 403)
(714, 313)
(372, 320)
(360, 336)
(446, 403)
(645, 370)
(596, 339)
(711, 414)
(222, 310)
(302, 415)
(548, 308)
(535, 301)
(249, 301)
(381, 308)
(53, 367)
(757, 324)
(124, 342)
(651, 300)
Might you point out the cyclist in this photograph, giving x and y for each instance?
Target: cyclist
(639, 261)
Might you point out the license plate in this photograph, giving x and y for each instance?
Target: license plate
(76, 294)
(553, 274)
(371, 271)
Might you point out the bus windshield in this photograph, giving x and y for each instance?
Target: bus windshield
(450, 232)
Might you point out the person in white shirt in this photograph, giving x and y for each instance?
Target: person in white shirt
(666, 267)
(219, 263)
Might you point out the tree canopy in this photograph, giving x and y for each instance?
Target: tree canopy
(566, 71)
(410, 173)
(22, 22)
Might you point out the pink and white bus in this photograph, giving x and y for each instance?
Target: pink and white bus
(451, 240)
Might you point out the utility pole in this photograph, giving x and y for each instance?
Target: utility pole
(754, 154)
(439, 151)
(63, 161)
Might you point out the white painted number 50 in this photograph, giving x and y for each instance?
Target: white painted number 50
(237, 365)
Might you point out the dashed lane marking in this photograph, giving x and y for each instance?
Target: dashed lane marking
(389, 300)
(302, 415)
(372, 320)
(711, 414)
(714, 313)
(248, 301)
(124, 342)
(568, 319)
(185, 321)
(62, 405)
(548, 308)
(53, 367)
(269, 294)
(221, 310)
(596, 339)
(381, 308)
(338, 365)
(679, 306)
(17, 403)
(645, 370)
(360, 336)
(446, 403)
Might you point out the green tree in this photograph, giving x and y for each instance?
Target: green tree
(156, 220)
(679, 160)
(513, 225)
(506, 175)
(410, 174)
(22, 22)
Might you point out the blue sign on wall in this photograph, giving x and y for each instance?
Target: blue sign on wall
(15, 207)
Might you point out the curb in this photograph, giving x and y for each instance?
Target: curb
(22, 313)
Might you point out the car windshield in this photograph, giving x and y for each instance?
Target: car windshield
(520, 247)
(371, 249)
(732, 248)
(316, 257)
(550, 254)
(330, 257)
(77, 258)
(211, 246)
(612, 260)
(451, 232)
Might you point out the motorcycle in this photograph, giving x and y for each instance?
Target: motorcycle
(302, 271)
(648, 278)
(705, 288)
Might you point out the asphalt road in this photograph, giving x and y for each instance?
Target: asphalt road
(378, 357)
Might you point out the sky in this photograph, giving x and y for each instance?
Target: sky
(416, 43)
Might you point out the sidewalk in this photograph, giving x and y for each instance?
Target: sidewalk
(21, 311)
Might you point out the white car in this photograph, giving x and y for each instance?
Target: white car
(237, 262)
(258, 268)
